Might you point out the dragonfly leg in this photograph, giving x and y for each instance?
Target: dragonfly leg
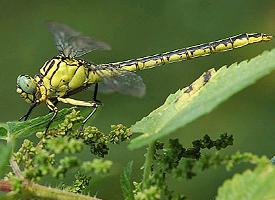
(95, 94)
(54, 109)
(26, 116)
(95, 91)
(55, 102)
(95, 106)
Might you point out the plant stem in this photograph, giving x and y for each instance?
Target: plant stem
(36, 191)
(148, 163)
(15, 168)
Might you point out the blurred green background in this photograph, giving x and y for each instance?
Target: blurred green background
(140, 28)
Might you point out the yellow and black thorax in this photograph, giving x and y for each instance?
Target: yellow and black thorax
(61, 76)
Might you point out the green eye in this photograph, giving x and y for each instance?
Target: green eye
(27, 84)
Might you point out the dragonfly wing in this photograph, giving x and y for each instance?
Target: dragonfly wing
(122, 81)
(72, 43)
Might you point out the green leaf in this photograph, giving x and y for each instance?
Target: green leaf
(16, 129)
(126, 183)
(251, 185)
(3, 131)
(5, 151)
(211, 89)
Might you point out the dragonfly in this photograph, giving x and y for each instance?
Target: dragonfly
(66, 74)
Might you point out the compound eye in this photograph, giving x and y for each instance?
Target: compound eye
(27, 84)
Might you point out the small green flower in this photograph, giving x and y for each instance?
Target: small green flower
(97, 166)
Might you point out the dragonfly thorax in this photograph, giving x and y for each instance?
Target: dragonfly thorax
(27, 88)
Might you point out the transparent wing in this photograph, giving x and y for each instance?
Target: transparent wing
(72, 43)
(121, 81)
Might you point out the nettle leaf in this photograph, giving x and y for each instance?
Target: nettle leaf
(201, 97)
(250, 185)
(5, 151)
(126, 183)
(16, 129)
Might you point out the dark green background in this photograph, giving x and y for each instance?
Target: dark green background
(140, 28)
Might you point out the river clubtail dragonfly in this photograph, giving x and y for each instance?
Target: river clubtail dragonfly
(66, 74)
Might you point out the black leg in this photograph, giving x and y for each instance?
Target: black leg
(95, 92)
(55, 102)
(26, 116)
(51, 120)
(95, 106)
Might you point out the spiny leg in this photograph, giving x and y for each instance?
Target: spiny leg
(26, 116)
(95, 94)
(95, 106)
(51, 120)
(95, 91)
(54, 109)
(55, 102)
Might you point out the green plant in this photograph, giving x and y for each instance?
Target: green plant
(55, 154)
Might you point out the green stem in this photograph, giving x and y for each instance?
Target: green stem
(36, 191)
(148, 163)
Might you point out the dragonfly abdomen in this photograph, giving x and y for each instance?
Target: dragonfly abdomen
(193, 51)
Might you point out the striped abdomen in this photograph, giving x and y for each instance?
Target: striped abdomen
(192, 52)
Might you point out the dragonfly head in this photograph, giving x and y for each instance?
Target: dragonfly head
(26, 87)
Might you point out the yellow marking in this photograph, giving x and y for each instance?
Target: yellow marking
(28, 101)
(58, 77)
(183, 56)
(46, 83)
(24, 95)
(37, 78)
(129, 67)
(18, 90)
(65, 71)
(75, 102)
(42, 70)
(71, 71)
(240, 42)
(43, 92)
(200, 52)
(30, 96)
(140, 65)
(174, 57)
(78, 79)
(93, 77)
(51, 71)
(229, 45)
(221, 47)
(149, 63)
(254, 39)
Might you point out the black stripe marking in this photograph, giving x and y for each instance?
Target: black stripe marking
(75, 71)
(256, 35)
(45, 65)
(49, 67)
(57, 67)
